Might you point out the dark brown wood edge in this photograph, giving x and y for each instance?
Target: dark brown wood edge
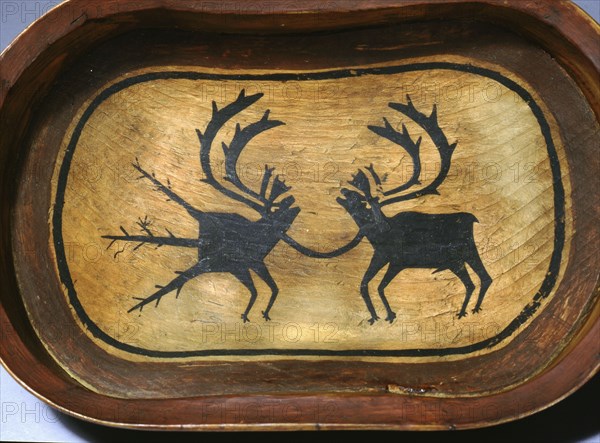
(560, 27)
(527, 354)
(73, 398)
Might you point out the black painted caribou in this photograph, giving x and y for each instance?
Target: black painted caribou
(413, 239)
(226, 242)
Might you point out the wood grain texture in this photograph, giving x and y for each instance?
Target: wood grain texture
(500, 173)
(543, 359)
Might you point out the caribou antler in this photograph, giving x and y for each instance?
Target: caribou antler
(242, 136)
(431, 126)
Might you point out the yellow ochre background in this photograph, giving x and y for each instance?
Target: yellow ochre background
(500, 173)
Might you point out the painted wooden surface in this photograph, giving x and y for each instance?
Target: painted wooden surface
(135, 176)
(103, 132)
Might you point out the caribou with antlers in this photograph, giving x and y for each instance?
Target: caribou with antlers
(226, 242)
(231, 243)
(413, 239)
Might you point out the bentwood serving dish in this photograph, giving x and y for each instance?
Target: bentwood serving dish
(301, 215)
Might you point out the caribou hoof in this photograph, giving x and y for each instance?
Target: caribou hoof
(373, 319)
(391, 317)
(461, 314)
(266, 316)
(245, 318)
(476, 309)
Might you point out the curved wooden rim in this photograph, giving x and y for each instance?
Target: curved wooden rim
(568, 21)
(563, 24)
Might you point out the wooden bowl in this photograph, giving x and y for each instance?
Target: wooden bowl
(323, 215)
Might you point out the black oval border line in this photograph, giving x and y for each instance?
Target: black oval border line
(544, 291)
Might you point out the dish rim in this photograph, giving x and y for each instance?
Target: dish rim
(575, 27)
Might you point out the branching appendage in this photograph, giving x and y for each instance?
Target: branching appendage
(176, 285)
(266, 201)
(269, 201)
(259, 201)
(149, 237)
(404, 139)
(144, 224)
(158, 186)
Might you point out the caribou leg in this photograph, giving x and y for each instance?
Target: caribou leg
(377, 262)
(246, 279)
(262, 271)
(391, 272)
(462, 273)
(485, 279)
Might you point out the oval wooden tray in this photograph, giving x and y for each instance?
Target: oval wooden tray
(323, 215)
